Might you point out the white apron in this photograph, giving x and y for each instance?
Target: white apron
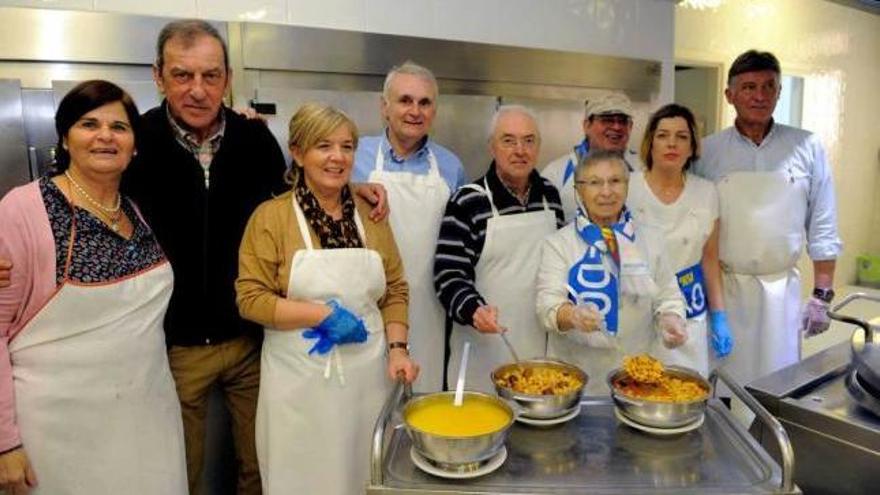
(315, 414)
(95, 400)
(759, 248)
(505, 277)
(686, 228)
(417, 203)
(566, 190)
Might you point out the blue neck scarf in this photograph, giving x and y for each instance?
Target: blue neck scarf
(588, 279)
(579, 151)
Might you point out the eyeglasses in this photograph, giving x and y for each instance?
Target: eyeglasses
(619, 119)
(597, 184)
(510, 142)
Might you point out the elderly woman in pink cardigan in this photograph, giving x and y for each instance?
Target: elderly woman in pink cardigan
(87, 402)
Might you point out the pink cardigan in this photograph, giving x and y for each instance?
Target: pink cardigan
(25, 239)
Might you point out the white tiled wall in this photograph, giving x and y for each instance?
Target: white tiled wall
(274, 11)
(171, 8)
(635, 28)
(52, 4)
(337, 14)
(837, 51)
(629, 28)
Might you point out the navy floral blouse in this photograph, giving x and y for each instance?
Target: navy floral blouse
(99, 254)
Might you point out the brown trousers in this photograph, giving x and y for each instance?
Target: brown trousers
(235, 364)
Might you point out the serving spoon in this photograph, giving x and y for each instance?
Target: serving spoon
(612, 338)
(509, 346)
(462, 371)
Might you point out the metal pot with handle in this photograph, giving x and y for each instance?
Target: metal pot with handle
(865, 345)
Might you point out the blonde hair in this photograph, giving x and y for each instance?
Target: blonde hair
(309, 125)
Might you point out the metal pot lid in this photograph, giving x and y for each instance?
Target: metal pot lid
(862, 393)
(865, 342)
(866, 357)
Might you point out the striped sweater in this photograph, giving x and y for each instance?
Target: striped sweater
(463, 233)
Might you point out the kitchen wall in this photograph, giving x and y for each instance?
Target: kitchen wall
(697, 88)
(836, 50)
(630, 28)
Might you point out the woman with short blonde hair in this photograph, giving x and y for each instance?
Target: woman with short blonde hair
(330, 292)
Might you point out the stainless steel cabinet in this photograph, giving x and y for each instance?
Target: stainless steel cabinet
(14, 166)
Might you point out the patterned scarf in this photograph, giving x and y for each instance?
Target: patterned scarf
(588, 279)
(333, 234)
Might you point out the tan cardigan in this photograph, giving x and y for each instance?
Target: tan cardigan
(271, 239)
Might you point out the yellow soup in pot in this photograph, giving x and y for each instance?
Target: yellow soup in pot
(473, 418)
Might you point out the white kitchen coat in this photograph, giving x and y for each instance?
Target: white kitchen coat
(636, 329)
(555, 172)
(774, 198)
(315, 414)
(417, 203)
(505, 278)
(686, 225)
(95, 401)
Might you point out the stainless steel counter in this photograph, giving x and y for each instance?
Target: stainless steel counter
(595, 453)
(836, 442)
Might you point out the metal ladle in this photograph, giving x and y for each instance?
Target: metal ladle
(509, 346)
(462, 371)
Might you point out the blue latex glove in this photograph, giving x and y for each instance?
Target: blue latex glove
(323, 345)
(722, 339)
(341, 326)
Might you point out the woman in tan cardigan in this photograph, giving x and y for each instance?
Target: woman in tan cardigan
(329, 290)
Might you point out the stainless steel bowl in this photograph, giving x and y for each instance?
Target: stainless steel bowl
(541, 406)
(449, 450)
(660, 414)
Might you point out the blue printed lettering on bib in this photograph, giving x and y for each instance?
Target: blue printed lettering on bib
(590, 282)
(690, 280)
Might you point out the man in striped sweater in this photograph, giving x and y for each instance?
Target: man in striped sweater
(488, 251)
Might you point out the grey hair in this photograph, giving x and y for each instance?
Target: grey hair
(187, 31)
(512, 108)
(413, 69)
(594, 157)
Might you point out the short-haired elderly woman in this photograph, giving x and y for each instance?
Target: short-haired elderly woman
(604, 289)
(87, 402)
(685, 207)
(329, 290)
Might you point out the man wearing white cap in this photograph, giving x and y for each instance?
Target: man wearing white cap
(607, 125)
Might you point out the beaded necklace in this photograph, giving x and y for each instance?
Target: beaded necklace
(113, 213)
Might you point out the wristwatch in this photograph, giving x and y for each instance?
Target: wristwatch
(823, 294)
(399, 345)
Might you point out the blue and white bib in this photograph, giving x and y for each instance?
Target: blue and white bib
(589, 281)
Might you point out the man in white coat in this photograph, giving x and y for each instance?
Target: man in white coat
(419, 175)
(776, 197)
(607, 125)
